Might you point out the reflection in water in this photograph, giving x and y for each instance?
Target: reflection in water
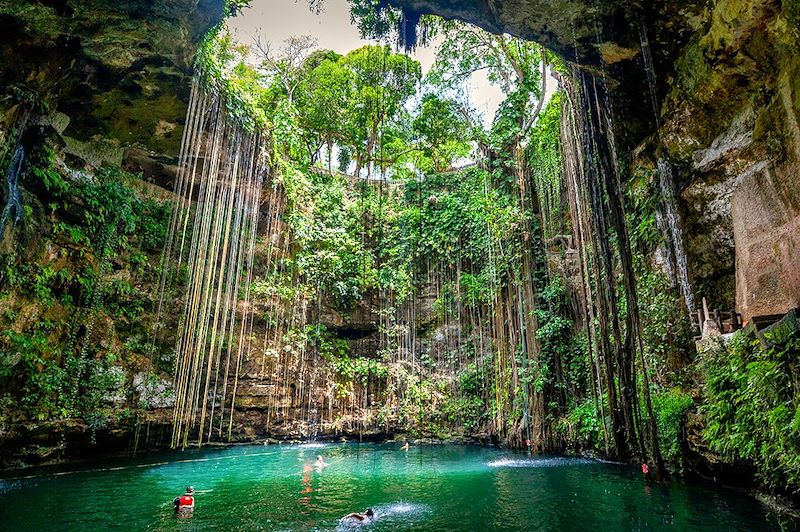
(307, 473)
(430, 488)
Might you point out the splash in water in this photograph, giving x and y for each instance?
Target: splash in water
(402, 510)
(538, 463)
(401, 507)
(313, 445)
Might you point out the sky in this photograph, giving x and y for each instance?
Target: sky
(275, 20)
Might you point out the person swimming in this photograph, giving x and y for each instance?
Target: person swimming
(320, 463)
(367, 516)
(404, 447)
(185, 503)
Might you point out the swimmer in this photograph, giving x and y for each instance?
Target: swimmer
(404, 447)
(362, 518)
(320, 463)
(185, 503)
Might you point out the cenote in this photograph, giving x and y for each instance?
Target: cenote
(429, 487)
(562, 228)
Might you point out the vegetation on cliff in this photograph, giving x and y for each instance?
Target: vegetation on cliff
(416, 269)
(462, 264)
(77, 286)
(751, 406)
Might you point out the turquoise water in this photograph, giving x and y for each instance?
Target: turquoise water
(427, 488)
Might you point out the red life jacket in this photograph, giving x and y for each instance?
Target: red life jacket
(186, 501)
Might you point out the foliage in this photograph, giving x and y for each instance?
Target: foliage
(235, 7)
(222, 67)
(752, 409)
(510, 63)
(670, 408)
(466, 408)
(543, 155)
(667, 332)
(43, 384)
(51, 364)
(439, 128)
(377, 20)
(558, 342)
(643, 206)
(351, 237)
(582, 428)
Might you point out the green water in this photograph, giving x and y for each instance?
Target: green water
(427, 488)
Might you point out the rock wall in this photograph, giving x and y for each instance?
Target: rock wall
(300, 392)
(730, 121)
(766, 227)
(84, 85)
(112, 74)
(111, 81)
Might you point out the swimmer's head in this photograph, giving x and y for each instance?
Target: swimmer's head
(369, 512)
(319, 457)
(189, 489)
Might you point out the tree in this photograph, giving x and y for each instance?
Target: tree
(285, 68)
(383, 83)
(518, 67)
(439, 130)
(324, 98)
(513, 65)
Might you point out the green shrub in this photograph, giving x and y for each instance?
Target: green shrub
(752, 411)
(49, 366)
(32, 369)
(582, 428)
(670, 409)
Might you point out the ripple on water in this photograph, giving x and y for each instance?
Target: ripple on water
(396, 508)
(313, 445)
(538, 462)
(407, 510)
(9, 485)
(438, 488)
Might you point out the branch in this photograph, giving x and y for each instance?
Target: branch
(511, 59)
(540, 105)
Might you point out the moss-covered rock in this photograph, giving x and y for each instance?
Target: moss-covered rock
(118, 70)
(78, 285)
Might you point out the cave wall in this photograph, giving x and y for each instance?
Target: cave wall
(110, 75)
(730, 122)
(114, 77)
(87, 87)
(288, 389)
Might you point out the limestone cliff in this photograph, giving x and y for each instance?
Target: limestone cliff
(111, 74)
(109, 81)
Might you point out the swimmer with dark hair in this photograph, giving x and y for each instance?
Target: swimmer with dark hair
(362, 518)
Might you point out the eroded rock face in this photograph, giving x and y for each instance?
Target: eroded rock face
(730, 118)
(765, 210)
(569, 27)
(116, 72)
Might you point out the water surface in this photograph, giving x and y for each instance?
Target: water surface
(427, 488)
